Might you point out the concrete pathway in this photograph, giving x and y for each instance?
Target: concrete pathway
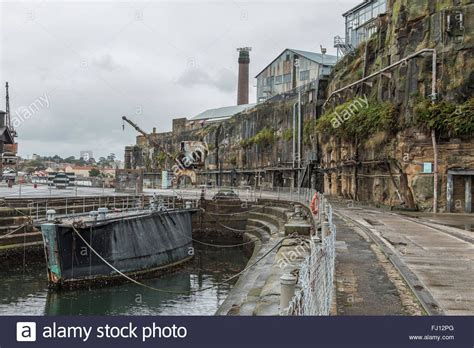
(436, 260)
(366, 282)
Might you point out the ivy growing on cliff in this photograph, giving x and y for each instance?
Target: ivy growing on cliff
(363, 122)
(309, 128)
(265, 138)
(446, 117)
(288, 134)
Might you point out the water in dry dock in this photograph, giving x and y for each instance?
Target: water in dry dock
(24, 291)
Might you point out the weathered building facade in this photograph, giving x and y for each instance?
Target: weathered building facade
(361, 21)
(292, 69)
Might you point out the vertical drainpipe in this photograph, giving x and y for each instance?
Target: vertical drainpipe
(434, 98)
(294, 136)
(299, 137)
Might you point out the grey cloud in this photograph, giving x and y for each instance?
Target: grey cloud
(140, 66)
(106, 62)
(223, 80)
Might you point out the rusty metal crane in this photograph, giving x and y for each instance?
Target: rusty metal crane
(149, 138)
(180, 169)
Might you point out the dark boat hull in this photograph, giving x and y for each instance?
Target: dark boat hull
(133, 245)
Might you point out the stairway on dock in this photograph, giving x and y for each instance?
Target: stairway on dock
(257, 291)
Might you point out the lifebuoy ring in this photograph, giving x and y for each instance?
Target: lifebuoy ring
(315, 204)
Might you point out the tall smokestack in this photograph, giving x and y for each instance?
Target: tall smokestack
(243, 84)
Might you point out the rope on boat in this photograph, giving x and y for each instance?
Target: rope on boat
(179, 292)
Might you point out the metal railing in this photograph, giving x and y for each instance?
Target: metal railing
(316, 276)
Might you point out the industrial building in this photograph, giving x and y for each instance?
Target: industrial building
(361, 21)
(219, 114)
(292, 69)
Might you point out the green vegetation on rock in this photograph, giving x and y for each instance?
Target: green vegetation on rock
(288, 134)
(309, 128)
(265, 137)
(446, 117)
(361, 123)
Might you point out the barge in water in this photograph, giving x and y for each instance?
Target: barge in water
(102, 245)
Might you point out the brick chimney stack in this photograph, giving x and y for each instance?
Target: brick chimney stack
(243, 83)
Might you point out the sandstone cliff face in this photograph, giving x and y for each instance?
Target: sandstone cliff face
(387, 167)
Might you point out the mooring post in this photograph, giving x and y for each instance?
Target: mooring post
(288, 283)
(315, 240)
(50, 215)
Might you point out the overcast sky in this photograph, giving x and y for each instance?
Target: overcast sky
(84, 65)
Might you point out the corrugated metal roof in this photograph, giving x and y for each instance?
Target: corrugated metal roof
(315, 57)
(222, 113)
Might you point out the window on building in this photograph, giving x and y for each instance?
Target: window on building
(286, 78)
(278, 79)
(326, 70)
(304, 75)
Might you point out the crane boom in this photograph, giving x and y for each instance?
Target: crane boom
(180, 169)
(149, 139)
(134, 125)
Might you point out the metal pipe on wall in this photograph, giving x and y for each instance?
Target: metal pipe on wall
(294, 135)
(411, 56)
(299, 130)
(434, 98)
(299, 138)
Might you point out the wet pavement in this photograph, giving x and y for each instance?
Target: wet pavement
(366, 283)
(438, 260)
